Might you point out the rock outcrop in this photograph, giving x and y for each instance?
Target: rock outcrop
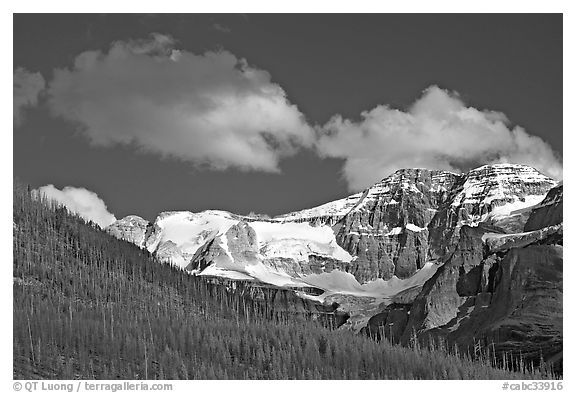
(130, 228)
(524, 315)
(549, 212)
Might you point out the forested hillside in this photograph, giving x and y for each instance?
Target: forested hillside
(87, 305)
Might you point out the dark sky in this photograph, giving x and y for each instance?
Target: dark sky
(327, 64)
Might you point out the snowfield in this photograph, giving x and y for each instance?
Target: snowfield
(341, 282)
(515, 207)
(189, 231)
(177, 236)
(297, 240)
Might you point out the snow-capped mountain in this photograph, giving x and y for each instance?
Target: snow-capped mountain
(414, 215)
(422, 251)
(480, 190)
(185, 232)
(391, 230)
(220, 243)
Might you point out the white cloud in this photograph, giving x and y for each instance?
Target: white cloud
(214, 109)
(438, 131)
(210, 109)
(81, 201)
(27, 87)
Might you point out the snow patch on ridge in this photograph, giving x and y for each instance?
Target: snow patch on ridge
(297, 240)
(515, 207)
(414, 228)
(394, 231)
(189, 231)
(398, 230)
(338, 208)
(213, 270)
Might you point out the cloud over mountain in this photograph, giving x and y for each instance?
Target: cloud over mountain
(438, 131)
(85, 203)
(27, 87)
(215, 110)
(211, 109)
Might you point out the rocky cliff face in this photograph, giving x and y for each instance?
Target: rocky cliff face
(523, 316)
(388, 228)
(284, 303)
(414, 216)
(501, 290)
(549, 212)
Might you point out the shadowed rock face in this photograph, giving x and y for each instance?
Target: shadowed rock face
(459, 277)
(507, 297)
(169, 252)
(284, 302)
(390, 323)
(524, 315)
(549, 212)
(206, 255)
(387, 229)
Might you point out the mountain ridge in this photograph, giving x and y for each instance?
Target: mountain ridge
(405, 218)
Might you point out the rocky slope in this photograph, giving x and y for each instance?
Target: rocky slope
(500, 290)
(549, 212)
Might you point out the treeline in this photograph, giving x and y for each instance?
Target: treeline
(89, 306)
